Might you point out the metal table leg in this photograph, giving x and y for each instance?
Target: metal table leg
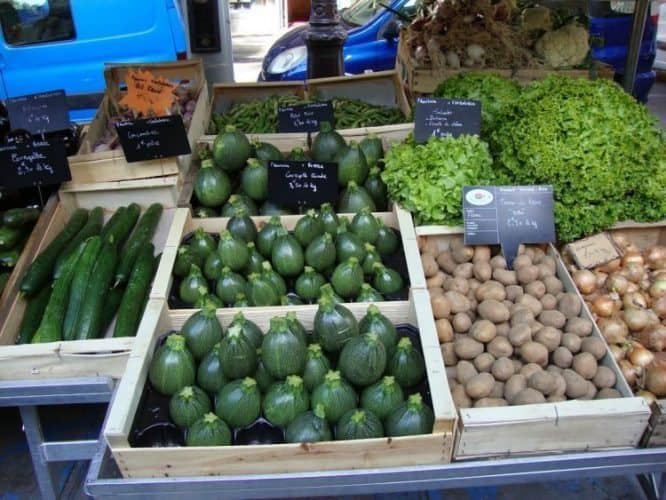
(35, 437)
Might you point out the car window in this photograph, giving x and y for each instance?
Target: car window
(26, 22)
(363, 11)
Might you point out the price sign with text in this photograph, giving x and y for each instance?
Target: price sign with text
(436, 117)
(304, 117)
(509, 216)
(153, 138)
(302, 183)
(147, 92)
(39, 113)
(34, 163)
(593, 251)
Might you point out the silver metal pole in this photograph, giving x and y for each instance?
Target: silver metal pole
(634, 48)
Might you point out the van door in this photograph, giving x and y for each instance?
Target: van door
(63, 44)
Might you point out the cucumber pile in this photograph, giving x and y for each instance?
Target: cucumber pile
(346, 379)
(90, 273)
(247, 266)
(15, 227)
(234, 173)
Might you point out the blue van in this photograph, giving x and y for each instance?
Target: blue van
(63, 44)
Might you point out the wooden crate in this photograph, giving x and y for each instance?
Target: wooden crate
(79, 358)
(552, 427)
(184, 223)
(425, 449)
(419, 80)
(89, 167)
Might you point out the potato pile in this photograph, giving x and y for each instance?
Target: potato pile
(511, 337)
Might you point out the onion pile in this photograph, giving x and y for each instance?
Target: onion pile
(627, 298)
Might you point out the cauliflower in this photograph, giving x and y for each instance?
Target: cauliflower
(565, 47)
(537, 18)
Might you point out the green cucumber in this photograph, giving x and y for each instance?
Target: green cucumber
(138, 286)
(91, 228)
(89, 323)
(39, 272)
(32, 316)
(111, 305)
(17, 217)
(9, 237)
(142, 235)
(119, 232)
(113, 221)
(4, 278)
(9, 258)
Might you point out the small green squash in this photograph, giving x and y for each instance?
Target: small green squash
(327, 144)
(229, 285)
(188, 405)
(269, 208)
(365, 226)
(298, 154)
(278, 282)
(358, 424)
(209, 430)
(375, 322)
(261, 292)
(239, 203)
(211, 185)
(347, 278)
(202, 244)
(317, 366)
(296, 327)
(406, 364)
(238, 356)
(371, 256)
(239, 402)
(264, 379)
(202, 331)
(335, 395)
(308, 228)
(387, 240)
(233, 251)
(363, 359)
(369, 294)
(287, 255)
(329, 218)
(372, 148)
(352, 165)
(241, 300)
(249, 328)
(254, 179)
(185, 257)
(241, 226)
(376, 188)
(266, 152)
(382, 397)
(309, 427)
(231, 149)
(320, 253)
(349, 245)
(209, 374)
(172, 367)
(284, 401)
(282, 351)
(255, 260)
(327, 291)
(354, 198)
(213, 266)
(410, 418)
(386, 280)
(193, 286)
(266, 236)
(291, 299)
(308, 284)
(204, 213)
(214, 300)
(334, 325)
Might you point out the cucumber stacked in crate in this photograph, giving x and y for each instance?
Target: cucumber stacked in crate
(15, 227)
(347, 379)
(90, 273)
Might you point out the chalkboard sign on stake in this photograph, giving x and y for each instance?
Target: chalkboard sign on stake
(39, 113)
(305, 117)
(302, 183)
(153, 138)
(508, 215)
(34, 163)
(437, 117)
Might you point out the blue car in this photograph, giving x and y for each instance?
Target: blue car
(373, 30)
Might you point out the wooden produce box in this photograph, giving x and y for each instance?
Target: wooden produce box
(77, 358)
(88, 166)
(420, 80)
(184, 224)
(424, 449)
(552, 427)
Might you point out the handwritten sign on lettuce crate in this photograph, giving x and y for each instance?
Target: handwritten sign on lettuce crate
(34, 163)
(302, 183)
(437, 117)
(153, 138)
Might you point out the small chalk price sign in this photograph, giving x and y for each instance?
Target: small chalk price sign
(593, 251)
(508, 215)
(153, 138)
(437, 117)
(34, 163)
(304, 117)
(302, 183)
(39, 113)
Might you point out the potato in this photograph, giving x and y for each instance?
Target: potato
(549, 262)
(553, 285)
(536, 289)
(508, 304)
(533, 352)
(490, 403)
(513, 386)
(523, 260)
(608, 393)
(554, 369)
(553, 318)
(591, 391)
(560, 385)
(461, 323)
(461, 254)
(480, 386)
(498, 390)
(435, 291)
(436, 281)
(576, 385)
(502, 369)
(483, 330)
(531, 303)
(490, 290)
(549, 302)
(545, 271)
(519, 335)
(580, 326)
(527, 274)
(467, 348)
(543, 381)
(517, 365)
(444, 330)
(595, 346)
(498, 262)
(430, 266)
(482, 271)
(459, 303)
(481, 254)
(464, 271)
(513, 292)
(451, 373)
(484, 362)
(449, 354)
(474, 284)
(535, 326)
(441, 307)
(446, 262)
(521, 315)
(572, 342)
(550, 337)
(562, 357)
(570, 305)
(528, 396)
(505, 277)
(585, 365)
(500, 347)
(457, 284)
(555, 399)
(465, 371)
(494, 311)
(460, 397)
(604, 378)
(503, 329)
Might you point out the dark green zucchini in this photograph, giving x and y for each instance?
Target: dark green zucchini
(9, 237)
(142, 235)
(138, 286)
(119, 232)
(18, 217)
(32, 316)
(9, 258)
(91, 228)
(111, 305)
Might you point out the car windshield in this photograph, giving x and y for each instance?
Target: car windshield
(362, 11)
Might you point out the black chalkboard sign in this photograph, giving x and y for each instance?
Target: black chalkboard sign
(302, 183)
(39, 113)
(34, 163)
(508, 215)
(153, 138)
(446, 117)
(305, 117)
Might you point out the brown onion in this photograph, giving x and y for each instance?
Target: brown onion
(629, 372)
(585, 280)
(655, 380)
(617, 283)
(656, 256)
(632, 256)
(604, 306)
(659, 275)
(613, 330)
(601, 278)
(618, 352)
(635, 300)
(647, 396)
(632, 287)
(659, 307)
(639, 355)
(658, 289)
(634, 272)
(621, 240)
(653, 337)
(610, 267)
(636, 319)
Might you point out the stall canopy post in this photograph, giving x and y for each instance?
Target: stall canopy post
(633, 50)
(324, 39)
